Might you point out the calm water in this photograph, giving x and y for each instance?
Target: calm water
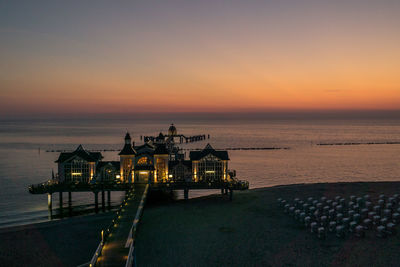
(23, 160)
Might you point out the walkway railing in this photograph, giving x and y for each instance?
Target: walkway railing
(105, 234)
(131, 261)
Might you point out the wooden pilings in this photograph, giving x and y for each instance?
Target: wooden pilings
(186, 193)
(61, 204)
(96, 202)
(103, 201)
(70, 209)
(109, 199)
(70, 203)
(224, 191)
(49, 205)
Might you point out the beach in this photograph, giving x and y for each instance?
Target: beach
(67, 242)
(252, 230)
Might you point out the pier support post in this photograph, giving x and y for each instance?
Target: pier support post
(109, 199)
(186, 193)
(222, 191)
(103, 201)
(96, 202)
(50, 205)
(226, 191)
(230, 194)
(70, 203)
(61, 203)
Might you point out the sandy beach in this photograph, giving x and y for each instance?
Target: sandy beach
(67, 242)
(252, 230)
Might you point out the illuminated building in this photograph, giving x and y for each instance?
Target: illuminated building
(108, 171)
(77, 166)
(158, 160)
(127, 158)
(209, 165)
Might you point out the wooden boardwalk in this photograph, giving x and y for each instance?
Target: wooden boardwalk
(116, 248)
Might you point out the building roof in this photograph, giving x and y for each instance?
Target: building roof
(127, 150)
(146, 148)
(186, 163)
(79, 152)
(197, 155)
(161, 149)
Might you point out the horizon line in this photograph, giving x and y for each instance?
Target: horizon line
(204, 115)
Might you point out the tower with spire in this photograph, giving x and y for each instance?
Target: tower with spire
(127, 159)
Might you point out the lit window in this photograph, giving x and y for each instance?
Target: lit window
(142, 161)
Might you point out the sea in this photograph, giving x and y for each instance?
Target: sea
(365, 150)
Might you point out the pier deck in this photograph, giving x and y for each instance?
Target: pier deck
(116, 247)
(50, 187)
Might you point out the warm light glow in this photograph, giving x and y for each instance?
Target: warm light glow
(143, 172)
(118, 176)
(210, 171)
(76, 173)
(260, 56)
(142, 161)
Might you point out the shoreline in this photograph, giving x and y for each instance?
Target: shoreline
(208, 230)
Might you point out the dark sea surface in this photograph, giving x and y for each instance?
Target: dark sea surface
(24, 160)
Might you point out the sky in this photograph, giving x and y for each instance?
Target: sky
(95, 57)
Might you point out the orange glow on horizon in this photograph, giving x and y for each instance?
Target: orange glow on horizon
(201, 58)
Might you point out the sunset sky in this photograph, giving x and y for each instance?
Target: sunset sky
(61, 57)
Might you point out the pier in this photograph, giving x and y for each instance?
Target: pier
(117, 241)
(157, 165)
(182, 138)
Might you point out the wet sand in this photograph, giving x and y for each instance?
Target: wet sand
(252, 230)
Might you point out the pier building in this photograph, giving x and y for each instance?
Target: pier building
(158, 160)
(77, 166)
(157, 164)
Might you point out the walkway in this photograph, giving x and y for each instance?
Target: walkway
(116, 249)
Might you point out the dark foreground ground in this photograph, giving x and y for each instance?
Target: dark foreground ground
(68, 242)
(211, 231)
(253, 231)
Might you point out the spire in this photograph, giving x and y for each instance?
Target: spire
(128, 148)
(208, 147)
(127, 138)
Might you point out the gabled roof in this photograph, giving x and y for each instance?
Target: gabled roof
(146, 148)
(197, 155)
(127, 150)
(81, 153)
